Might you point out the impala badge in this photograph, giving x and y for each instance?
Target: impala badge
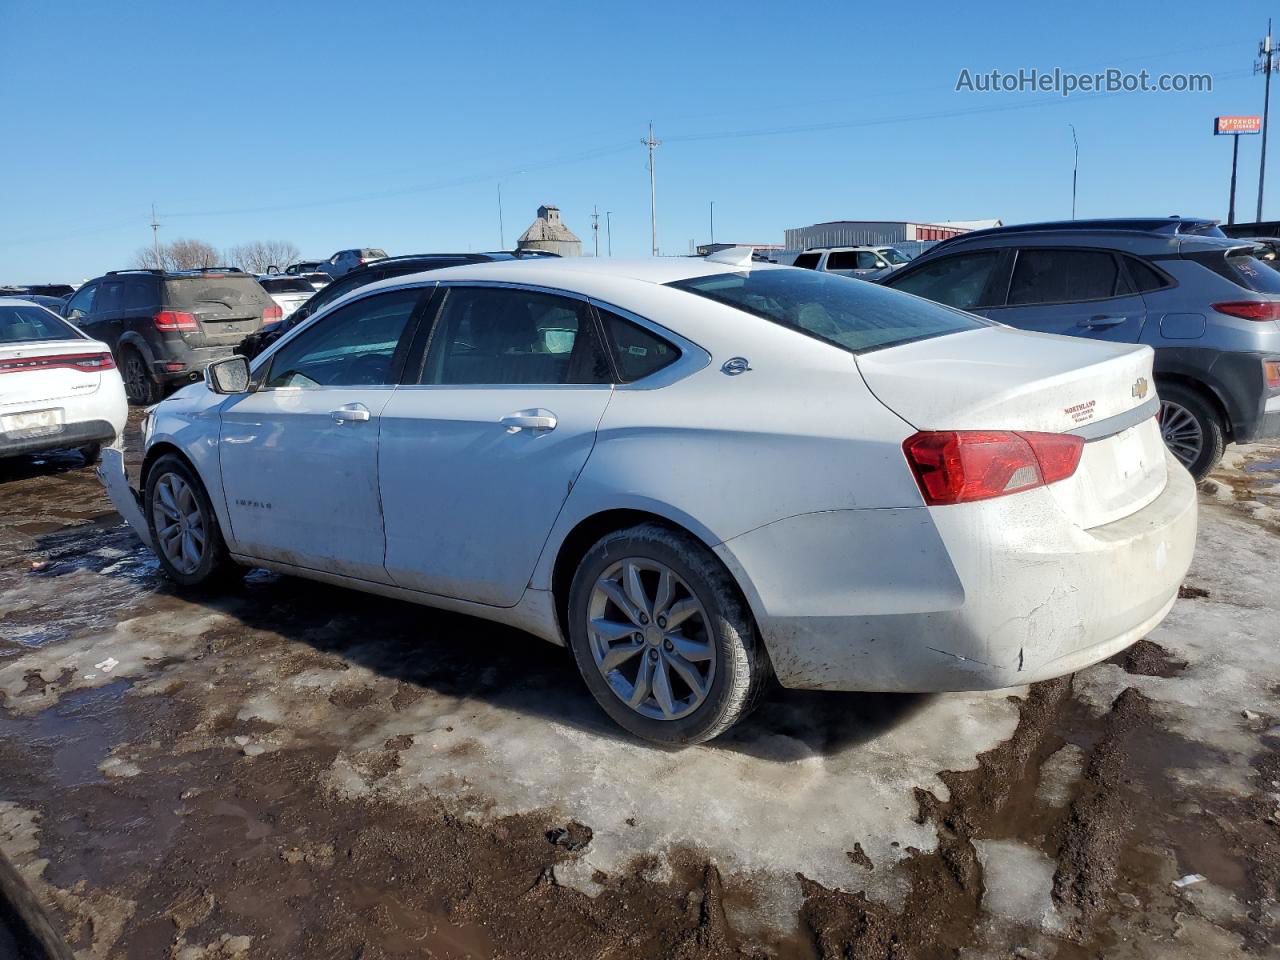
(1140, 387)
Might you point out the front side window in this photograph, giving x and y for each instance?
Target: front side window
(957, 281)
(27, 324)
(494, 335)
(1062, 276)
(637, 352)
(849, 313)
(356, 345)
(82, 303)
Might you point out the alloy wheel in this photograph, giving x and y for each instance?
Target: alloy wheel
(179, 523)
(1181, 431)
(136, 377)
(651, 639)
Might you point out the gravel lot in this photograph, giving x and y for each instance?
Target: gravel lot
(291, 770)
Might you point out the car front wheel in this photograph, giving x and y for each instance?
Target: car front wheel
(183, 526)
(662, 637)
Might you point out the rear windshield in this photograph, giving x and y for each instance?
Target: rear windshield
(26, 324)
(233, 291)
(849, 313)
(286, 285)
(1253, 274)
(367, 254)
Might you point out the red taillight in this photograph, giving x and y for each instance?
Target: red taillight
(958, 466)
(84, 362)
(1250, 309)
(1271, 369)
(272, 314)
(174, 320)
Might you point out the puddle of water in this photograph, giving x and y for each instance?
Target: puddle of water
(1262, 466)
(77, 732)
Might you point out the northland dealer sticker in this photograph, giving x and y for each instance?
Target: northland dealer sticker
(1081, 411)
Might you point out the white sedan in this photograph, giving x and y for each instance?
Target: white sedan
(695, 473)
(58, 388)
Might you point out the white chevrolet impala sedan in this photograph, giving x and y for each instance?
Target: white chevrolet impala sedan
(696, 473)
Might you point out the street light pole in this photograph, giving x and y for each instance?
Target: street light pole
(608, 225)
(1075, 169)
(713, 221)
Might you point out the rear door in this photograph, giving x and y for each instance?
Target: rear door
(299, 456)
(479, 453)
(1072, 291)
(227, 307)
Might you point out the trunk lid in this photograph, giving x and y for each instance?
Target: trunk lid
(227, 307)
(43, 376)
(1002, 379)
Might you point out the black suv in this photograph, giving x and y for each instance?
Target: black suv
(164, 327)
(372, 273)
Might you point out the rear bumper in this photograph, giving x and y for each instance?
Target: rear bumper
(71, 435)
(193, 360)
(969, 597)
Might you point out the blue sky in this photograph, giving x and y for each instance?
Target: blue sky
(392, 124)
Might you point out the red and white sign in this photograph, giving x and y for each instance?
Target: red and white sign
(1237, 125)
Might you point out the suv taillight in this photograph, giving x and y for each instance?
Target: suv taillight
(174, 320)
(272, 314)
(959, 466)
(1250, 309)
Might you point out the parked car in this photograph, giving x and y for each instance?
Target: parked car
(695, 473)
(378, 270)
(1267, 250)
(865, 263)
(1206, 304)
(318, 281)
(58, 388)
(49, 303)
(39, 289)
(289, 293)
(344, 261)
(304, 266)
(163, 327)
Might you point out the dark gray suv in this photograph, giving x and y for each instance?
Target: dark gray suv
(1206, 304)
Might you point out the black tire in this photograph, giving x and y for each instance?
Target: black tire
(91, 452)
(214, 563)
(140, 386)
(1177, 399)
(740, 665)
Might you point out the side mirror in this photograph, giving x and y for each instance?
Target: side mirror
(227, 376)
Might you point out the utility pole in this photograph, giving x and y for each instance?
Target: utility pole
(1075, 169)
(595, 227)
(652, 144)
(1265, 66)
(713, 221)
(502, 232)
(155, 237)
(608, 225)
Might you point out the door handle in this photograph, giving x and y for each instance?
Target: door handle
(356, 412)
(538, 419)
(1103, 320)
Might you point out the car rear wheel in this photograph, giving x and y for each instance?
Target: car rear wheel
(662, 637)
(139, 385)
(1192, 428)
(184, 529)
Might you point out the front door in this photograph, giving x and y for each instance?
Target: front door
(300, 454)
(477, 458)
(1073, 292)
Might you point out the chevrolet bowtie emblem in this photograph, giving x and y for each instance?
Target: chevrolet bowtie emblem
(1140, 388)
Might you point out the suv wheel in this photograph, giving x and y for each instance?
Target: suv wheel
(139, 385)
(662, 637)
(1191, 427)
(182, 524)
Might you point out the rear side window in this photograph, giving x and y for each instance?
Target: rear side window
(957, 281)
(1251, 273)
(110, 296)
(230, 293)
(637, 353)
(848, 313)
(28, 324)
(140, 295)
(1062, 276)
(489, 335)
(807, 261)
(1145, 277)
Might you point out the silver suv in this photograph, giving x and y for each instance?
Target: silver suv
(1207, 305)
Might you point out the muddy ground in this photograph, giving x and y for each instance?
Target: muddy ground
(288, 770)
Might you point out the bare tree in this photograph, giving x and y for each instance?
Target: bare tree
(178, 255)
(260, 255)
